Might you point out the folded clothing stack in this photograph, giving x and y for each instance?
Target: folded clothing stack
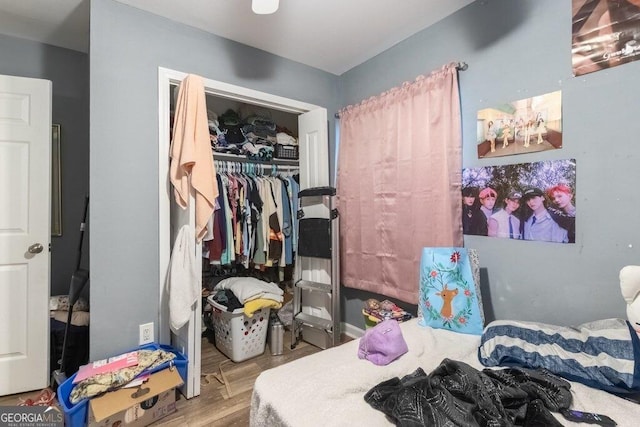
(376, 311)
(251, 293)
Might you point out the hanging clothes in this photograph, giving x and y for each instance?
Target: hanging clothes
(275, 237)
(254, 220)
(286, 221)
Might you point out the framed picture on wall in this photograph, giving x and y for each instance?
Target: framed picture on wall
(56, 187)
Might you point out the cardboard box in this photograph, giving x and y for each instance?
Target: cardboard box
(137, 406)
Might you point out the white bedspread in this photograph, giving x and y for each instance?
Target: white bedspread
(327, 388)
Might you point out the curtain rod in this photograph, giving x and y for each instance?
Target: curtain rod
(460, 66)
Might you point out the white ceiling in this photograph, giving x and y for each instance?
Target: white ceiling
(332, 35)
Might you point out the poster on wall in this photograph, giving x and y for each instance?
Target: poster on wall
(525, 201)
(524, 126)
(605, 34)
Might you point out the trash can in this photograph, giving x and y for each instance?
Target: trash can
(276, 335)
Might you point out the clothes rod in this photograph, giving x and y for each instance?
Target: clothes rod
(242, 159)
(263, 168)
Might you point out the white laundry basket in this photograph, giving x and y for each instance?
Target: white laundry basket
(238, 336)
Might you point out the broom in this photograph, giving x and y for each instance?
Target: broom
(79, 279)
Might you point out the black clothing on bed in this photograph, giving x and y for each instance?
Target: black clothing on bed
(455, 394)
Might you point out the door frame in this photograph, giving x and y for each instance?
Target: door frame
(166, 77)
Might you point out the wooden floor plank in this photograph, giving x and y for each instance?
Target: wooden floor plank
(215, 407)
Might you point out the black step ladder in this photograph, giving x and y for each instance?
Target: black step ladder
(316, 289)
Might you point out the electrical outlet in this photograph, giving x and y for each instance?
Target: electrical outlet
(146, 333)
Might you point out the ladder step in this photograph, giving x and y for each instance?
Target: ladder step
(317, 191)
(313, 286)
(315, 321)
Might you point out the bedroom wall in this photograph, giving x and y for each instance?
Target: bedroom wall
(127, 47)
(69, 72)
(515, 50)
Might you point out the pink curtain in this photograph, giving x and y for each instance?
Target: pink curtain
(399, 174)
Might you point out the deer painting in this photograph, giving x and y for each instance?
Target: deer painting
(447, 296)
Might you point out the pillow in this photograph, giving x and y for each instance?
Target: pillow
(604, 354)
(61, 302)
(450, 290)
(78, 318)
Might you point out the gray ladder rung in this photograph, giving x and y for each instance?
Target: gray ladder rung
(314, 321)
(313, 286)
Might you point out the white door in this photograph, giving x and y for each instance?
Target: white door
(314, 172)
(25, 230)
(187, 339)
(314, 149)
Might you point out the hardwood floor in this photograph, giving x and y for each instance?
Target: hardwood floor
(218, 405)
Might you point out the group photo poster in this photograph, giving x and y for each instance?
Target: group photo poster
(523, 126)
(605, 34)
(524, 201)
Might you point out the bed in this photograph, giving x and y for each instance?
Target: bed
(77, 353)
(328, 388)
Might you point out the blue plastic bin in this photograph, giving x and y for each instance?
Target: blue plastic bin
(76, 415)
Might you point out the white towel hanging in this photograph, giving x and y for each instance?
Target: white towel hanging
(182, 282)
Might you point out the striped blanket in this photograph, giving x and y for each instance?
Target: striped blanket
(604, 354)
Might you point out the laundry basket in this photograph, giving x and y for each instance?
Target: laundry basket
(238, 336)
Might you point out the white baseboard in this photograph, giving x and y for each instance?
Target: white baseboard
(351, 331)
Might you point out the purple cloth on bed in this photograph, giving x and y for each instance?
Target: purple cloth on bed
(383, 343)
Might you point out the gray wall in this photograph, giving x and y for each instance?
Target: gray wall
(514, 50)
(69, 72)
(518, 49)
(127, 47)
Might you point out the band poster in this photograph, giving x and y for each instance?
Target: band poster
(605, 34)
(525, 201)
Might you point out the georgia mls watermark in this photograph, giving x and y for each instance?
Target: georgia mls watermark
(31, 416)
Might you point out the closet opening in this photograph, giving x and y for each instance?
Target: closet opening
(303, 121)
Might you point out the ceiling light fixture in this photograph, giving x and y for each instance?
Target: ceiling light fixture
(264, 7)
